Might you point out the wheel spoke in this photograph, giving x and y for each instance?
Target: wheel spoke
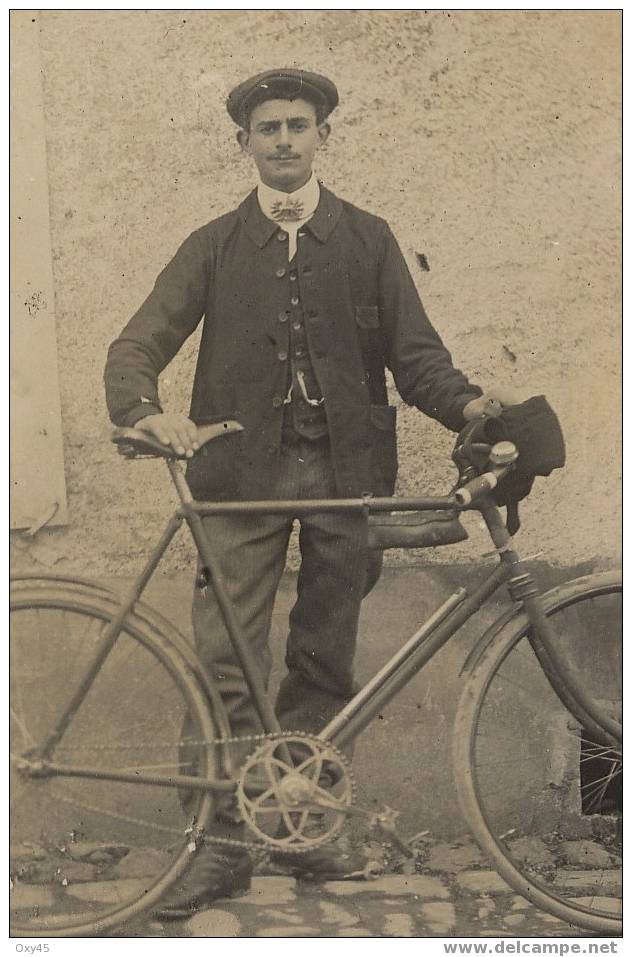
(83, 805)
(598, 752)
(170, 766)
(597, 791)
(525, 767)
(19, 718)
(59, 634)
(28, 738)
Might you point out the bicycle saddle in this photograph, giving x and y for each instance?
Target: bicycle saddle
(134, 442)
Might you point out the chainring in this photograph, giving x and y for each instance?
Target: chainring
(294, 792)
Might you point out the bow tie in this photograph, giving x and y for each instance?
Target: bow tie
(289, 211)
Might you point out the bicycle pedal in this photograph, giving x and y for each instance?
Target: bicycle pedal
(370, 872)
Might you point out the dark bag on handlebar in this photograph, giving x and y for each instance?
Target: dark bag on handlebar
(414, 529)
(534, 429)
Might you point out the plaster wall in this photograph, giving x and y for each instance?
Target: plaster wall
(489, 140)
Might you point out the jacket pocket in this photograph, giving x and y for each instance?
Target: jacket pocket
(367, 317)
(383, 438)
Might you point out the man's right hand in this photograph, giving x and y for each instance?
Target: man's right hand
(178, 431)
(493, 402)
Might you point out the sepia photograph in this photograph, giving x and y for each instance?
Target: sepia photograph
(315, 474)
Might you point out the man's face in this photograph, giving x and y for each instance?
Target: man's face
(282, 139)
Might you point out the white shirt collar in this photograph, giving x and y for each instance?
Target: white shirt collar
(302, 202)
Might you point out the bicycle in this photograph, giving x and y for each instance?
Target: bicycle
(126, 672)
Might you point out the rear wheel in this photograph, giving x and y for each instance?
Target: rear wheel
(86, 854)
(542, 798)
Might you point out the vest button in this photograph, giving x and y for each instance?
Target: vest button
(299, 352)
(282, 356)
(281, 237)
(277, 402)
(280, 273)
(296, 325)
(293, 276)
(295, 300)
(283, 317)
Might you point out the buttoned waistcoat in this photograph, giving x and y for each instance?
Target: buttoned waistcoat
(362, 313)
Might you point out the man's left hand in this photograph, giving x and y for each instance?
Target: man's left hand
(492, 402)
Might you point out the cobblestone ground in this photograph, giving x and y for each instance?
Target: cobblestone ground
(446, 890)
(480, 905)
(461, 897)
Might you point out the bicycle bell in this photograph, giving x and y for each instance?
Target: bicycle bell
(503, 453)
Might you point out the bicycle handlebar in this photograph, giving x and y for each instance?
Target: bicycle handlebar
(502, 457)
(133, 442)
(481, 485)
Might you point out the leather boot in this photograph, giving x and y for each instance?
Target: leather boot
(336, 860)
(216, 872)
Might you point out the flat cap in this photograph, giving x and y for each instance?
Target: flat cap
(284, 83)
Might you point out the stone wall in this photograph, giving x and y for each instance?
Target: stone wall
(489, 140)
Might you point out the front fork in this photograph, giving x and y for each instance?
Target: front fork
(563, 676)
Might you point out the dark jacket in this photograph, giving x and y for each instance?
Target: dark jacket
(361, 312)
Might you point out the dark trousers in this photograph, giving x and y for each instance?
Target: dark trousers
(336, 572)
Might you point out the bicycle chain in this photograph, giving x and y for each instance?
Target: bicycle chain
(197, 836)
(237, 739)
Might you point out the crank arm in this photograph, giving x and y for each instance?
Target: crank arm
(318, 806)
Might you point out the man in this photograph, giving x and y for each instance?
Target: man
(306, 299)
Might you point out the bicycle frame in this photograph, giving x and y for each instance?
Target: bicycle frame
(408, 661)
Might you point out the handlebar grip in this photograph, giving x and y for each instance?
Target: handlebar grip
(502, 456)
(478, 486)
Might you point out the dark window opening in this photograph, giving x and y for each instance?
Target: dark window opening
(600, 779)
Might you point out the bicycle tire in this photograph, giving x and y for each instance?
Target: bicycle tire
(79, 877)
(523, 785)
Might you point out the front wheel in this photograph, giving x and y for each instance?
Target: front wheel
(542, 799)
(86, 854)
